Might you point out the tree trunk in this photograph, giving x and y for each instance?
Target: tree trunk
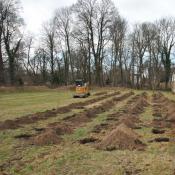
(1, 67)
(70, 57)
(12, 70)
(2, 80)
(89, 60)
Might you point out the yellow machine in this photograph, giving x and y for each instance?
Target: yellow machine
(82, 89)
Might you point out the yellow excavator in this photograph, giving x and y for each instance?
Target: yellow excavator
(82, 89)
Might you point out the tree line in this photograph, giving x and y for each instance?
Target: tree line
(88, 40)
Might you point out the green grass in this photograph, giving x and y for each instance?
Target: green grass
(17, 104)
(70, 157)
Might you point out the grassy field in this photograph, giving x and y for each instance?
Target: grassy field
(69, 157)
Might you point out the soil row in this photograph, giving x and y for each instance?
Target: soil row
(129, 114)
(53, 132)
(164, 118)
(163, 111)
(33, 118)
(119, 127)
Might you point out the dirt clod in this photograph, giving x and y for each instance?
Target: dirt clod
(23, 136)
(158, 131)
(162, 139)
(88, 140)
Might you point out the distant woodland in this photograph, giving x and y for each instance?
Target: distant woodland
(89, 40)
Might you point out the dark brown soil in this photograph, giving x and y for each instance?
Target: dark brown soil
(39, 129)
(161, 139)
(158, 131)
(88, 140)
(23, 136)
(9, 124)
(122, 137)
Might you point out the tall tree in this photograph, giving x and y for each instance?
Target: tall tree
(64, 31)
(118, 34)
(49, 37)
(12, 35)
(167, 37)
(140, 46)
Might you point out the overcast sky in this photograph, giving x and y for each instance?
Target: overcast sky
(35, 12)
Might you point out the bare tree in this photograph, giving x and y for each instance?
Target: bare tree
(12, 35)
(167, 37)
(139, 45)
(64, 30)
(3, 16)
(49, 37)
(118, 34)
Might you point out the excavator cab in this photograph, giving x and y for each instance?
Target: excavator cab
(82, 89)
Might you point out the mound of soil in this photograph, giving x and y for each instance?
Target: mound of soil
(47, 137)
(136, 105)
(122, 138)
(129, 121)
(171, 116)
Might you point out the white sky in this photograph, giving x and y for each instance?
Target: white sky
(35, 12)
